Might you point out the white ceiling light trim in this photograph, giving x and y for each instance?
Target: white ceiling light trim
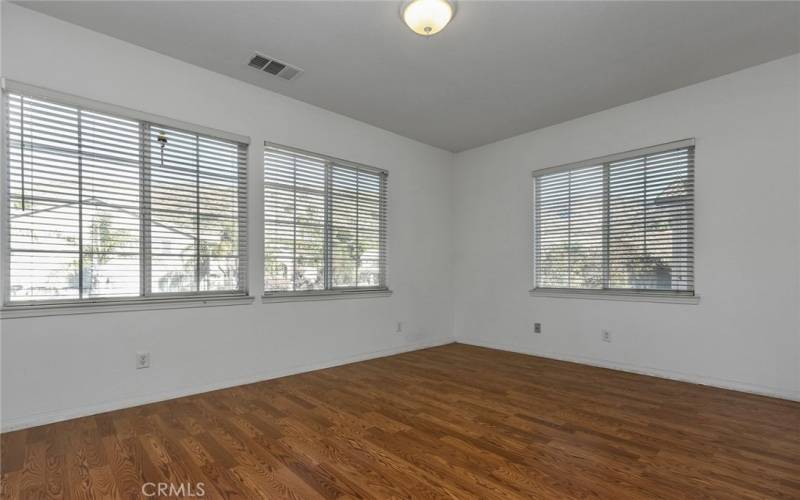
(428, 17)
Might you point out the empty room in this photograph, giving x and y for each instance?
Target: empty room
(400, 249)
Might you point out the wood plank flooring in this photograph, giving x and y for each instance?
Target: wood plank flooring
(449, 422)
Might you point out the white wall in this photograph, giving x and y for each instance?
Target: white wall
(61, 366)
(744, 333)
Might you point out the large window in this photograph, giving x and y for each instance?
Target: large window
(621, 223)
(324, 224)
(101, 206)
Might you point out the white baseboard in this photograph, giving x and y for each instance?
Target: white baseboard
(70, 413)
(644, 370)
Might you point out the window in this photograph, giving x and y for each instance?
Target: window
(324, 224)
(620, 223)
(106, 207)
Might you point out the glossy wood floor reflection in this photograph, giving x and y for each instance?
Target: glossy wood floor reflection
(453, 421)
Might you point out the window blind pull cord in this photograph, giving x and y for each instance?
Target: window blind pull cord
(162, 139)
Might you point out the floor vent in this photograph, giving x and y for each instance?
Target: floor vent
(274, 67)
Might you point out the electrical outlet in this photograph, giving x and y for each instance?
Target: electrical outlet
(142, 360)
(537, 328)
(399, 327)
(605, 335)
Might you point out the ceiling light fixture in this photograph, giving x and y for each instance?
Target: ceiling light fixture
(428, 17)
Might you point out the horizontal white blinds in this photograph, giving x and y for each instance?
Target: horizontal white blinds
(570, 229)
(294, 221)
(98, 209)
(357, 227)
(626, 224)
(197, 204)
(324, 223)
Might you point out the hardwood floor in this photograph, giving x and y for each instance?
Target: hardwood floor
(453, 421)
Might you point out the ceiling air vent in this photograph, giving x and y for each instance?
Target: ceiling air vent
(274, 67)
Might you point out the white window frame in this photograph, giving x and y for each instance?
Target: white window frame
(631, 295)
(22, 309)
(333, 292)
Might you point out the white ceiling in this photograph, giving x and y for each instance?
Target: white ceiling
(499, 69)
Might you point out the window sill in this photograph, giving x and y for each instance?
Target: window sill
(106, 306)
(619, 296)
(323, 295)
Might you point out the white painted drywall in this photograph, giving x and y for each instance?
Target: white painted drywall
(744, 333)
(62, 366)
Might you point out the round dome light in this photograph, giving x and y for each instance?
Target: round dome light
(427, 17)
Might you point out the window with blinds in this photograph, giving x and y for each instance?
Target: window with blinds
(619, 223)
(106, 207)
(324, 224)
